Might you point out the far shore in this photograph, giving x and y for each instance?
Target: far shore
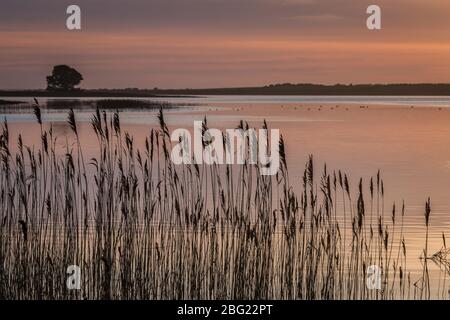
(9, 102)
(286, 89)
(87, 94)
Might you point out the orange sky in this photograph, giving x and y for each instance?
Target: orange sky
(218, 43)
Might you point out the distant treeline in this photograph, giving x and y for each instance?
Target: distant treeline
(420, 89)
(317, 89)
(83, 93)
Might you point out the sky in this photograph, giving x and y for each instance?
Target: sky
(224, 43)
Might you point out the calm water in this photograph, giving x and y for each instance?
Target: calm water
(373, 100)
(407, 138)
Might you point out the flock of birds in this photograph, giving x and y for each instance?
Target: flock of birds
(319, 108)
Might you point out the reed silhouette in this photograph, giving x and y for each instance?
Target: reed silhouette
(140, 227)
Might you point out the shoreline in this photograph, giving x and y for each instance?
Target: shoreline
(286, 89)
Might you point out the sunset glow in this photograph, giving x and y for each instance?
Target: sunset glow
(171, 44)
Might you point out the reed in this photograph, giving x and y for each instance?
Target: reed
(141, 228)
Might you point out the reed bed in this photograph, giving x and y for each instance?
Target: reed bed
(111, 105)
(9, 102)
(140, 227)
(107, 104)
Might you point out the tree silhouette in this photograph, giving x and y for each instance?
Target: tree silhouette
(63, 78)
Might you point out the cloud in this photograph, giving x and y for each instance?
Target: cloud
(196, 43)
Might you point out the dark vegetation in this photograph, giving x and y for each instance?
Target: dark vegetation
(104, 104)
(425, 89)
(92, 93)
(10, 102)
(142, 228)
(63, 78)
(317, 89)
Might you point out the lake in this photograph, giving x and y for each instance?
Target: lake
(406, 138)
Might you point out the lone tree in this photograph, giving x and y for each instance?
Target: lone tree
(63, 78)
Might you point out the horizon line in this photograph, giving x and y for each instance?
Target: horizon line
(156, 88)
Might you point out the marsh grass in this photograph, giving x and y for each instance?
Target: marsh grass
(9, 102)
(141, 228)
(91, 104)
